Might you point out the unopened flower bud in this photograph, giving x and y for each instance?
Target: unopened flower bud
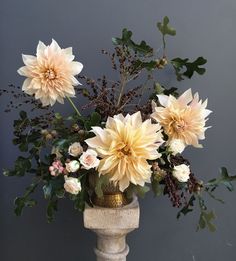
(75, 127)
(49, 136)
(54, 133)
(44, 132)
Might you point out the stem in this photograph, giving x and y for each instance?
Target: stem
(164, 45)
(122, 86)
(73, 105)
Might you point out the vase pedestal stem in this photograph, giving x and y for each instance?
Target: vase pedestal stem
(111, 226)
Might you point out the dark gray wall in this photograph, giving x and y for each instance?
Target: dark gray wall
(204, 27)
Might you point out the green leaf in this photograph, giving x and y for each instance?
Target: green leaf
(60, 193)
(9, 173)
(187, 208)
(30, 203)
(23, 147)
(224, 179)
(101, 181)
(142, 49)
(23, 115)
(58, 116)
(136, 189)
(95, 119)
(158, 89)
(21, 202)
(205, 220)
(19, 205)
(47, 190)
(138, 65)
(51, 209)
(157, 188)
(22, 165)
(165, 28)
(185, 68)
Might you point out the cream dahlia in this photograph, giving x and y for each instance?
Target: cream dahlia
(183, 118)
(50, 74)
(125, 145)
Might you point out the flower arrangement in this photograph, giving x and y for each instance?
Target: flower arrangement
(134, 135)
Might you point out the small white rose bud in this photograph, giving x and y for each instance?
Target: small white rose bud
(75, 149)
(176, 146)
(89, 159)
(72, 166)
(72, 185)
(181, 172)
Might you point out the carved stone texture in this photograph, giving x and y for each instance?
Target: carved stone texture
(111, 226)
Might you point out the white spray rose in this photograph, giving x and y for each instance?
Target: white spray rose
(89, 159)
(75, 149)
(176, 146)
(181, 172)
(72, 166)
(72, 185)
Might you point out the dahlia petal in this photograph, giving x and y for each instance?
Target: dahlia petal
(74, 81)
(186, 97)
(69, 54)
(136, 119)
(93, 142)
(206, 113)
(29, 60)
(40, 48)
(123, 184)
(60, 99)
(26, 84)
(98, 131)
(76, 67)
(55, 46)
(24, 71)
(163, 99)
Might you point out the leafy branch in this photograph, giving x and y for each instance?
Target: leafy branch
(165, 29)
(184, 68)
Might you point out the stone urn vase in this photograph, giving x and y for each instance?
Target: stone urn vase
(112, 217)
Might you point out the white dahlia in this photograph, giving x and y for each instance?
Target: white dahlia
(183, 118)
(50, 74)
(125, 145)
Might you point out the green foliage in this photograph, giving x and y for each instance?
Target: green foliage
(137, 190)
(206, 217)
(22, 165)
(224, 179)
(100, 181)
(165, 29)
(157, 188)
(160, 89)
(142, 49)
(184, 68)
(149, 65)
(187, 208)
(205, 221)
(51, 209)
(93, 120)
(25, 200)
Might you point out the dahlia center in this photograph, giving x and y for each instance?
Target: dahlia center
(50, 74)
(124, 151)
(180, 126)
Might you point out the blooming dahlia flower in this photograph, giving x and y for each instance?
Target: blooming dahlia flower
(183, 118)
(50, 74)
(125, 145)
